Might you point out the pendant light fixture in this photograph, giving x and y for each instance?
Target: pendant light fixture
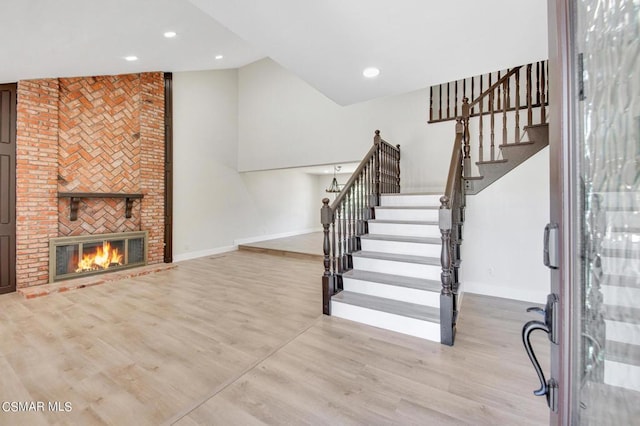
(335, 186)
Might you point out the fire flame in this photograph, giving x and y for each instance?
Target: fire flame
(102, 258)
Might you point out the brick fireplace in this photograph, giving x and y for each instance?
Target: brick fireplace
(90, 135)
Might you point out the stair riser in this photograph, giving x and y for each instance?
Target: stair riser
(402, 294)
(623, 332)
(519, 153)
(622, 375)
(409, 214)
(621, 296)
(415, 270)
(404, 230)
(398, 247)
(410, 200)
(411, 326)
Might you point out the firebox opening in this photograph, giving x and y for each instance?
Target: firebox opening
(72, 257)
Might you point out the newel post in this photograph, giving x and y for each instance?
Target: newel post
(447, 330)
(466, 166)
(326, 218)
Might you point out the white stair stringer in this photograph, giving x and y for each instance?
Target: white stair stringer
(395, 280)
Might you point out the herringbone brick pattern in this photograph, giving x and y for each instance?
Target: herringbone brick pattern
(90, 134)
(99, 120)
(99, 150)
(98, 216)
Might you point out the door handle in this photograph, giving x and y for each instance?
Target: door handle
(529, 328)
(550, 246)
(549, 389)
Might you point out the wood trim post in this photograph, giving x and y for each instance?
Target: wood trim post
(447, 330)
(326, 218)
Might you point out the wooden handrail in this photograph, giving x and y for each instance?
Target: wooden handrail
(455, 165)
(495, 85)
(345, 220)
(377, 140)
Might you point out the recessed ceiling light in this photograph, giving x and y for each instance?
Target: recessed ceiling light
(219, 56)
(131, 58)
(170, 34)
(371, 72)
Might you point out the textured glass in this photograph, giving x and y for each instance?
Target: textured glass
(609, 138)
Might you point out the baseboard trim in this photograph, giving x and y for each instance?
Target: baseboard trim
(203, 253)
(533, 296)
(250, 240)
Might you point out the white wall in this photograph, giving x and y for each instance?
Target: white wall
(503, 232)
(214, 205)
(284, 122)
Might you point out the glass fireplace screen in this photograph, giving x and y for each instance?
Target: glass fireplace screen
(71, 257)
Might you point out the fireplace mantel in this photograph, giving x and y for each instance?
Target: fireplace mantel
(76, 196)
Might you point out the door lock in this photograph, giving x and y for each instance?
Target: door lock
(549, 326)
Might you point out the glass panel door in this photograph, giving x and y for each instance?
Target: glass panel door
(605, 320)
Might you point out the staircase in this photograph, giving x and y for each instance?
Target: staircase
(391, 260)
(395, 280)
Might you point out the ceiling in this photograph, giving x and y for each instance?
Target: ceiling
(415, 43)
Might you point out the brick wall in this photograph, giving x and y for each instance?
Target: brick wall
(152, 162)
(89, 134)
(99, 151)
(36, 179)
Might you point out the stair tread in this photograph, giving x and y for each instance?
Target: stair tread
(404, 222)
(396, 280)
(405, 309)
(407, 207)
(622, 314)
(401, 239)
(425, 260)
(537, 125)
(509, 145)
(481, 163)
(402, 194)
(622, 352)
(621, 280)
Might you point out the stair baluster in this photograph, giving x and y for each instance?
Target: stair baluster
(517, 130)
(543, 111)
(505, 106)
(492, 151)
(326, 218)
(529, 106)
(343, 221)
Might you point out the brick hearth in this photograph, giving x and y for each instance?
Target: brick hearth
(88, 134)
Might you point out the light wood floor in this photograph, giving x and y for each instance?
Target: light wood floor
(240, 339)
